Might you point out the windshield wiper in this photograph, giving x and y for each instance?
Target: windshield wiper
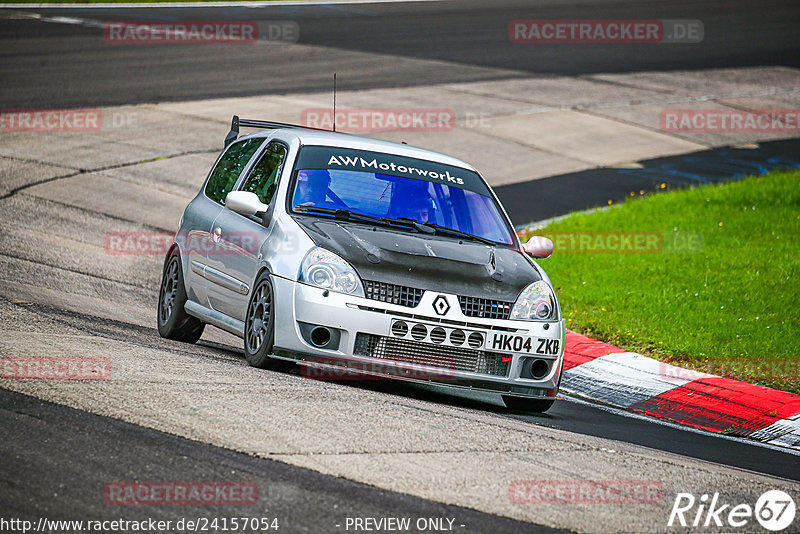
(411, 223)
(446, 230)
(350, 215)
(338, 213)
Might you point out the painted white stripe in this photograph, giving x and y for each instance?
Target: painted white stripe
(21, 15)
(265, 3)
(785, 432)
(623, 379)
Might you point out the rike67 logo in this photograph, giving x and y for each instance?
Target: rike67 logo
(774, 510)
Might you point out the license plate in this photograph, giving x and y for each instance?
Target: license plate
(527, 344)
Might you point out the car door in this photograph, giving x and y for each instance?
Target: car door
(200, 238)
(240, 237)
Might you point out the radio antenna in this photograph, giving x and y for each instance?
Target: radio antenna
(334, 101)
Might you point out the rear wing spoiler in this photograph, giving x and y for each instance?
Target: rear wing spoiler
(236, 122)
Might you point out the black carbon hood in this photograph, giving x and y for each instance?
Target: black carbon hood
(424, 261)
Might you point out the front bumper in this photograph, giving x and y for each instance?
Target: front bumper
(378, 340)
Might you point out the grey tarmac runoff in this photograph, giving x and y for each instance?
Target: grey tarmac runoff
(196, 412)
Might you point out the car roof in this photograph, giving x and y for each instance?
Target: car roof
(308, 136)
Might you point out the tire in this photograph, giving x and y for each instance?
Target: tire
(524, 404)
(259, 326)
(173, 321)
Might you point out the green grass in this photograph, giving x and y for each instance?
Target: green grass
(730, 306)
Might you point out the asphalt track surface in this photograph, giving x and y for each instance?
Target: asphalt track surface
(54, 444)
(47, 64)
(56, 64)
(556, 195)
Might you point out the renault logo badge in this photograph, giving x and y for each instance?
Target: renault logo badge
(440, 305)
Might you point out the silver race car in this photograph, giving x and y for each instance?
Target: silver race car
(382, 260)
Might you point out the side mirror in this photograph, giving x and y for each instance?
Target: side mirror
(538, 247)
(244, 203)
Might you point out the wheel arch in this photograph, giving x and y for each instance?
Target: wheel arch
(181, 255)
(263, 268)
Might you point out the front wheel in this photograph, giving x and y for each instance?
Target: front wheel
(173, 321)
(524, 404)
(259, 326)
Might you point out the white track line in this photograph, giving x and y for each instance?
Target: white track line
(264, 3)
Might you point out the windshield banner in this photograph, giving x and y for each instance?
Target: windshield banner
(324, 157)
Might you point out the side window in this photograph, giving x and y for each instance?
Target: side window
(229, 167)
(263, 179)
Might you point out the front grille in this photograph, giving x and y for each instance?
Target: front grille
(485, 308)
(392, 293)
(443, 356)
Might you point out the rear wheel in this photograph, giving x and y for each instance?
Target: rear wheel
(524, 404)
(173, 321)
(259, 326)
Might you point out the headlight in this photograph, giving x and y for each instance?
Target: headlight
(323, 268)
(536, 303)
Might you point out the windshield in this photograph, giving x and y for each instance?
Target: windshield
(428, 199)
